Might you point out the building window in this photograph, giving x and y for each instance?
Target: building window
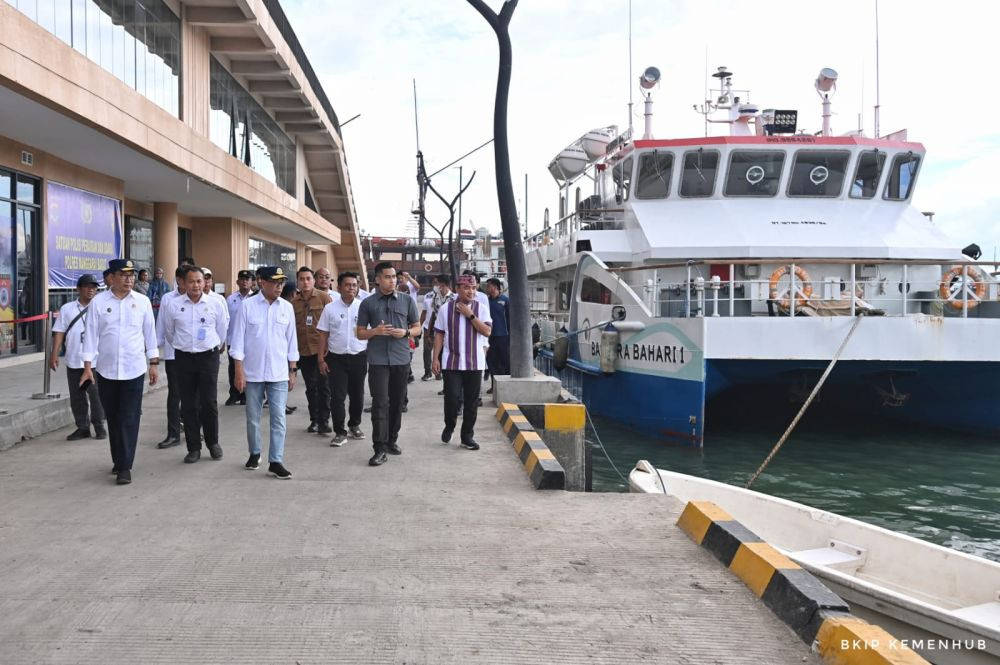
(310, 203)
(264, 253)
(902, 174)
(594, 292)
(20, 261)
(139, 41)
(867, 175)
(241, 127)
(622, 174)
(139, 241)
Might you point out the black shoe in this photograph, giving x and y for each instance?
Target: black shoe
(253, 463)
(124, 477)
(278, 471)
(232, 400)
(169, 442)
(368, 409)
(405, 408)
(192, 456)
(446, 434)
(410, 379)
(479, 401)
(378, 459)
(441, 392)
(100, 432)
(78, 434)
(215, 451)
(393, 449)
(470, 445)
(490, 391)
(427, 377)
(323, 428)
(289, 410)
(242, 401)
(356, 433)
(312, 427)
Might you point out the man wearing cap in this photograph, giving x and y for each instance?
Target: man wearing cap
(173, 437)
(387, 320)
(265, 348)
(71, 326)
(244, 279)
(195, 325)
(120, 338)
(462, 329)
(308, 304)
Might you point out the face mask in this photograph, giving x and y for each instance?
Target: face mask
(437, 290)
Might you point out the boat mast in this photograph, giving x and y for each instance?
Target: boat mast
(877, 97)
(630, 68)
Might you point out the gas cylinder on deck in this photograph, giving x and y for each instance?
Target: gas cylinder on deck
(560, 349)
(609, 349)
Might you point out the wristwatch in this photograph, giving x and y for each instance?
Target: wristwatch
(154, 362)
(293, 370)
(406, 334)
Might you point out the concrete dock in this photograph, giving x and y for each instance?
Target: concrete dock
(441, 556)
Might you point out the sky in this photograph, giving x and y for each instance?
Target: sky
(570, 75)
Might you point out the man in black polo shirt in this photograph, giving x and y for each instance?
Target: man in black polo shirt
(387, 320)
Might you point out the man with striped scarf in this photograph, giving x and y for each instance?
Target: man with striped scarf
(462, 330)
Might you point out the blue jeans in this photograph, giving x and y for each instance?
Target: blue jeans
(277, 397)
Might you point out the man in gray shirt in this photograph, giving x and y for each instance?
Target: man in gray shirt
(387, 320)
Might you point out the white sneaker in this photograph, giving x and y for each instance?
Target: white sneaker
(338, 440)
(356, 434)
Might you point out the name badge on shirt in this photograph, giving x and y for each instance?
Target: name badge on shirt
(202, 334)
(309, 319)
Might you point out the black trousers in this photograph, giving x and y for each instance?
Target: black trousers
(387, 384)
(498, 355)
(346, 380)
(82, 415)
(428, 345)
(317, 390)
(233, 392)
(122, 402)
(198, 376)
(461, 391)
(173, 400)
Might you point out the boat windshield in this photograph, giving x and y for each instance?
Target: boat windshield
(867, 175)
(818, 173)
(754, 172)
(698, 173)
(653, 181)
(901, 176)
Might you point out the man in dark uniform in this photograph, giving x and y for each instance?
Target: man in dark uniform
(387, 320)
(244, 281)
(121, 337)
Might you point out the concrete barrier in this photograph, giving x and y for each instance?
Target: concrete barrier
(563, 428)
(818, 615)
(539, 462)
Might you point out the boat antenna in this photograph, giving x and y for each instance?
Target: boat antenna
(630, 67)
(877, 91)
(705, 116)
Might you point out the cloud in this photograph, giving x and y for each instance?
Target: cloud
(571, 74)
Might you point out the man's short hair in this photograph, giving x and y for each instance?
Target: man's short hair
(182, 270)
(442, 279)
(383, 266)
(188, 261)
(345, 275)
(190, 269)
(495, 282)
(473, 273)
(304, 269)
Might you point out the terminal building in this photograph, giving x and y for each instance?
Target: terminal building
(156, 130)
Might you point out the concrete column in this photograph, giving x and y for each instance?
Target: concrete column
(165, 238)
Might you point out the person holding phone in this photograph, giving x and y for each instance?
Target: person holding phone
(387, 320)
(70, 326)
(120, 338)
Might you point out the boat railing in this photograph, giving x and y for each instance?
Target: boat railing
(590, 219)
(873, 287)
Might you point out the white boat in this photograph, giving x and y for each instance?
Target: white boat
(569, 163)
(918, 591)
(595, 142)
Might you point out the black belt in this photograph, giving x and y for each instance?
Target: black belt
(195, 353)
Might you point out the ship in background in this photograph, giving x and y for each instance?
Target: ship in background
(688, 272)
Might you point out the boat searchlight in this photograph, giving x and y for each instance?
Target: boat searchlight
(649, 79)
(826, 84)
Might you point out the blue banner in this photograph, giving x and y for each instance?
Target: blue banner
(84, 232)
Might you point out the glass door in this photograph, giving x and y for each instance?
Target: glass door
(7, 300)
(29, 292)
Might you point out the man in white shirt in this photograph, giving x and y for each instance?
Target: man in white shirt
(462, 330)
(439, 295)
(70, 326)
(173, 437)
(266, 350)
(244, 279)
(195, 325)
(120, 338)
(346, 362)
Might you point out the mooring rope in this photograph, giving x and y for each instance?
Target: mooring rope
(812, 395)
(603, 449)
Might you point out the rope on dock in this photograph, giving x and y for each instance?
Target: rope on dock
(604, 450)
(812, 395)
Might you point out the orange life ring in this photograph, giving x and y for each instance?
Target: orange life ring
(951, 287)
(804, 293)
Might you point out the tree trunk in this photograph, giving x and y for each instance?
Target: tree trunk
(517, 274)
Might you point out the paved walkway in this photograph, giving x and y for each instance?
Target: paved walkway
(441, 556)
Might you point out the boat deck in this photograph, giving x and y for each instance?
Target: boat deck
(441, 556)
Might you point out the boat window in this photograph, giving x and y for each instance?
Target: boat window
(593, 291)
(867, 175)
(653, 181)
(562, 295)
(622, 174)
(901, 176)
(754, 172)
(818, 173)
(698, 175)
